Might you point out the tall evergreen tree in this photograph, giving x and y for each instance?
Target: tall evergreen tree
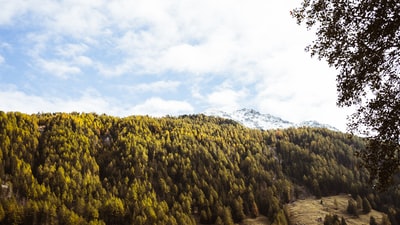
(372, 221)
(366, 205)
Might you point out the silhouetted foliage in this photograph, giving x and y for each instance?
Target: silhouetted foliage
(361, 40)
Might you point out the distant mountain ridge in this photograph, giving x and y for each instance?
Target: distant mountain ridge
(256, 120)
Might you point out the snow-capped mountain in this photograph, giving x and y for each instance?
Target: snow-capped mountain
(256, 120)
(313, 123)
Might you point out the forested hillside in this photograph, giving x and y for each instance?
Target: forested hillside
(97, 169)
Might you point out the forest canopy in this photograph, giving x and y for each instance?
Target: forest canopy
(84, 168)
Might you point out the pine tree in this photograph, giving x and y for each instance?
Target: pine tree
(352, 207)
(372, 221)
(343, 221)
(366, 205)
(385, 220)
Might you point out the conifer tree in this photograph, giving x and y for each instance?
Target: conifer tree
(352, 207)
(366, 205)
(343, 221)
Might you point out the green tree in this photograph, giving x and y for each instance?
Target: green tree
(2, 213)
(385, 220)
(372, 221)
(218, 221)
(254, 208)
(366, 206)
(331, 220)
(343, 221)
(359, 202)
(13, 212)
(361, 40)
(205, 216)
(227, 216)
(113, 211)
(237, 210)
(352, 207)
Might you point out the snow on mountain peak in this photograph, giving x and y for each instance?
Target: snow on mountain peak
(256, 120)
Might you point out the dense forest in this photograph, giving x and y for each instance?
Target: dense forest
(80, 168)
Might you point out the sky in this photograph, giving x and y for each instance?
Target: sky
(162, 57)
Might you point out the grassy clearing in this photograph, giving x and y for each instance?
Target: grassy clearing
(261, 220)
(313, 211)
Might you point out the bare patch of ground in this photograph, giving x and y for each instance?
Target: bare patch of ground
(261, 220)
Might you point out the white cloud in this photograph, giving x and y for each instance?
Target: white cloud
(195, 37)
(190, 36)
(11, 9)
(83, 60)
(162, 86)
(62, 60)
(78, 19)
(71, 50)
(225, 98)
(58, 68)
(2, 60)
(198, 59)
(6, 46)
(142, 14)
(89, 102)
(75, 54)
(38, 43)
(304, 90)
(158, 86)
(12, 99)
(157, 36)
(115, 70)
(159, 107)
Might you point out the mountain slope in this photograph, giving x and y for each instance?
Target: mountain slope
(97, 169)
(256, 120)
